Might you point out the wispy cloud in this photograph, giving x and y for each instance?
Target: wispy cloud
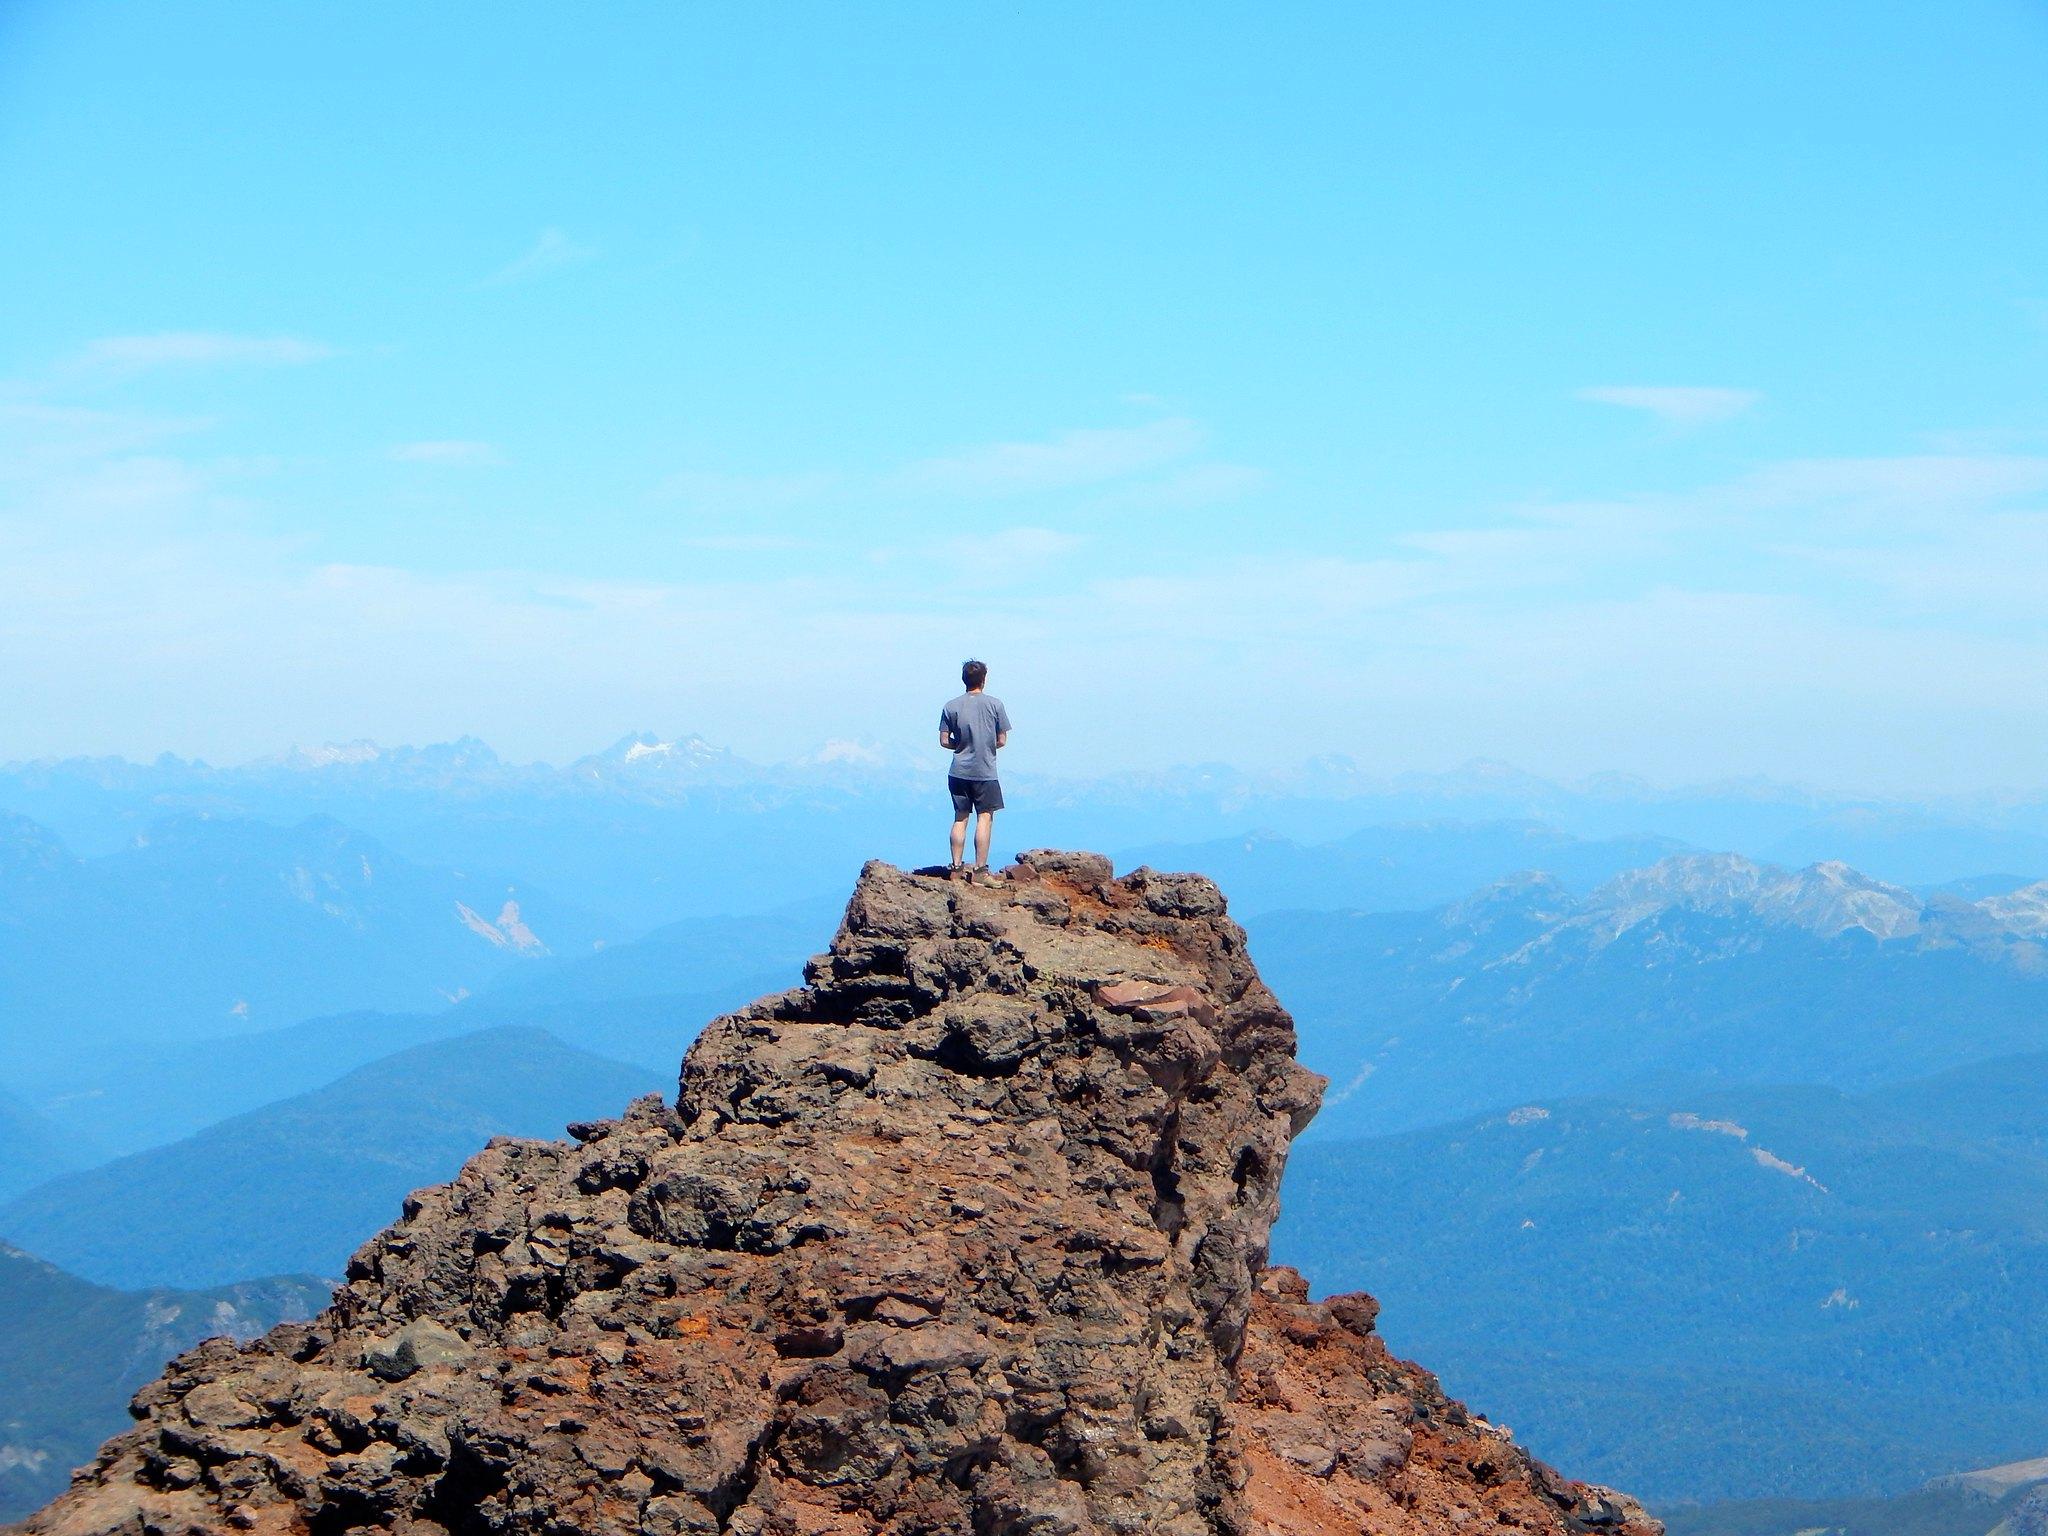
(550, 252)
(1154, 466)
(1186, 487)
(1089, 456)
(983, 560)
(1821, 616)
(1909, 485)
(38, 439)
(453, 451)
(1548, 629)
(1972, 441)
(1675, 405)
(743, 543)
(1008, 548)
(196, 349)
(716, 491)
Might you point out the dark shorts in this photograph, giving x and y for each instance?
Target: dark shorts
(972, 795)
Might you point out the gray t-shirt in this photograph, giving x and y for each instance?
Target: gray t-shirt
(974, 721)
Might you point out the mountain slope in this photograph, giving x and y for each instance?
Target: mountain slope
(2002, 1102)
(1398, 868)
(637, 1002)
(1912, 847)
(150, 1100)
(31, 1148)
(1698, 969)
(297, 1185)
(1793, 1291)
(71, 1353)
(205, 927)
(1944, 1508)
(694, 955)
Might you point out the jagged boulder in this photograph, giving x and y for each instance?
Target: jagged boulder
(965, 1235)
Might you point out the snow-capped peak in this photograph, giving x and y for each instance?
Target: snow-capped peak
(333, 754)
(2024, 911)
(859, 753)
(643, 752)
(1828, 898)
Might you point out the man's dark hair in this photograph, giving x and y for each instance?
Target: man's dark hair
(974, 673)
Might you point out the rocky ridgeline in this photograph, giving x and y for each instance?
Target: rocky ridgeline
(965, 1235)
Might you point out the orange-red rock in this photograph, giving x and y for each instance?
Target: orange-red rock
(966, 1235)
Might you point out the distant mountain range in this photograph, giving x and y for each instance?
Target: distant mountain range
(1998, 1501)
(646, 832)
(640, 1003)
(1778, 1290)
(1942, 1508)
(1403, 868)
(296, 1185)
(205, 926)
(743, 956)
(32, 1149)
(72, 1353)
(1699, 969)
(656, 828)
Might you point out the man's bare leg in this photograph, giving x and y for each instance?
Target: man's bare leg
(984, 830)
(959, 841)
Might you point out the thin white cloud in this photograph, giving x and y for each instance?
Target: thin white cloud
(142, 605)
(1089, 456)
(550, 252)
(1141, 468)
(743, 543)
(1419, 648)
(1186, 487)
(714, 491)
(982, 560)
(197, 349)
(1926, 484)
(1675, 405)
(1009, 548)
(1971, 442)
(37, 440)
(452, 451)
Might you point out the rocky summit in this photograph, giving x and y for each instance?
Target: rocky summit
(967, 1234)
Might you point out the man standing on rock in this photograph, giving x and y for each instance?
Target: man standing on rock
(972, 727)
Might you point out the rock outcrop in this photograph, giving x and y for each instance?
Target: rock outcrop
(965, 1235)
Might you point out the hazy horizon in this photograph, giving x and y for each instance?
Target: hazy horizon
(904, 758)
(1641, 389)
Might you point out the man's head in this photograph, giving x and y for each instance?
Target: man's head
(974, 674)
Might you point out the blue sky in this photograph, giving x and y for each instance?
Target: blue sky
(1661, 388)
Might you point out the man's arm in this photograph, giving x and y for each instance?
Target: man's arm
(946, 739)
(1002, 726)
